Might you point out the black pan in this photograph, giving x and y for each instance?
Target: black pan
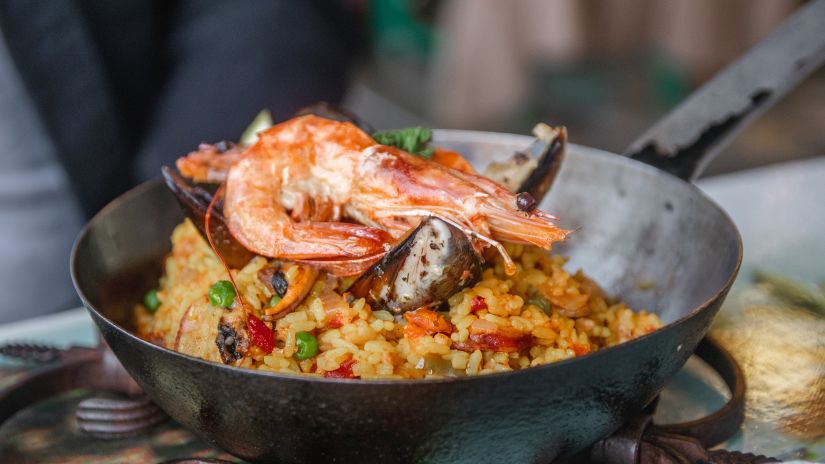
(637, 225)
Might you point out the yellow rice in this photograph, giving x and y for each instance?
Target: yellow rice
(580, 318)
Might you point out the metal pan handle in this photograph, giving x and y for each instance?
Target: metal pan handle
(640, 441)
(692, 134)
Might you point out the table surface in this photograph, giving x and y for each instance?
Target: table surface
(780, 211)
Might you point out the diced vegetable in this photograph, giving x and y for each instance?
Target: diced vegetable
(415, 140)
(222, 294)
(429, 321)
(539, 302)
(344, 371)
(260, 334)
(151, 301)
(488, 336)
(478, 304)
(262, 121)
(274, 300)
(307, 346)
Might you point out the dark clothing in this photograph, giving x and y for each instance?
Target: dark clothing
(126, 86)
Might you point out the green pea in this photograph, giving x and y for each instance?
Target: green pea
(151, 301)
(307, 346)
(539, 302)
(274, 300)
(222, 294)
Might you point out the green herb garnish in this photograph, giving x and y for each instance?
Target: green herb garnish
(415, 140)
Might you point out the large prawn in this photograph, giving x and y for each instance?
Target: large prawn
(285, 196)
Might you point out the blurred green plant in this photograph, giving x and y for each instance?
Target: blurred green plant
(397, 30)
(415, 140)
(670, 81)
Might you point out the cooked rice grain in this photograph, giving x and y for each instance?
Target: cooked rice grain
(544, 312)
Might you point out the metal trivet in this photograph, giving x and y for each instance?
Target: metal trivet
(79, 367)
(114, 418)
(638, 441)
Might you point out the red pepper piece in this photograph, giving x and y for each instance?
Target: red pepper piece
(344, 371)
(578, 349)
(429, 321)
(260, 334)
(337, 322)
(478, 304)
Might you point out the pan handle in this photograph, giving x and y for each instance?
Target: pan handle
(693, 133)
(642, 441)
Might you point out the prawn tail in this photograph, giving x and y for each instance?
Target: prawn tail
(528, 228)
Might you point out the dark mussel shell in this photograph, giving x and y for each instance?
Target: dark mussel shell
(432, 263)
(232, 338)
(549, 150)
(533, 170)
(330, 111)
(195, 201)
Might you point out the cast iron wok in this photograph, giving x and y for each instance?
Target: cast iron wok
(636, 226)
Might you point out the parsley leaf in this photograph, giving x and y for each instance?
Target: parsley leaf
(415, 140)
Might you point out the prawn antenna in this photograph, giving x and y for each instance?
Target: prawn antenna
(206, 221)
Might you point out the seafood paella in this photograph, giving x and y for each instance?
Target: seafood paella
(325, 248)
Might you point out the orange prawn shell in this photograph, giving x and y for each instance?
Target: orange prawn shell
(322, 170)
(452, 159)
(310, 147)
(293, 161)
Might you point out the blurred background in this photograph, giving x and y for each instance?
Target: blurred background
(95, 96)
(606, 69)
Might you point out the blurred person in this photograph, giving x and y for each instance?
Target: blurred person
(95, 96)
(518, 37)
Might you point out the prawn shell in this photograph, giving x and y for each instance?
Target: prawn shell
(432, 263)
